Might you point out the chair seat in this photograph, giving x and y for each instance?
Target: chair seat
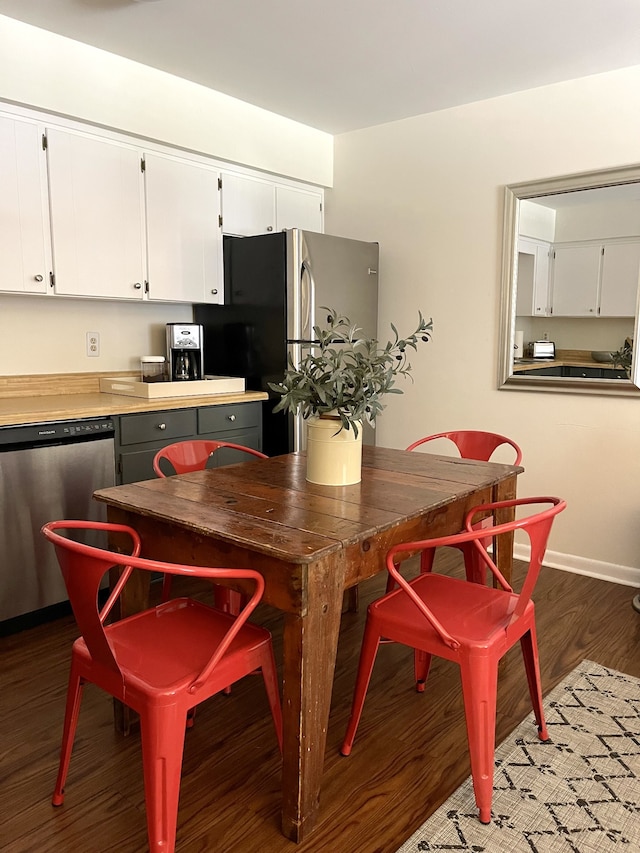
(478, 616)
(161, 650)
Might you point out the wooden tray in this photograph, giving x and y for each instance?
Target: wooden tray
(153, 390)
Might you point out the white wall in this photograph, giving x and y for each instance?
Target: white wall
(57, 74)
(40, 334)
(537, 221)
(598, 221)
(430, 189)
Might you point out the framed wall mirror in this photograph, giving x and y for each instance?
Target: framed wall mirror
(570, 274)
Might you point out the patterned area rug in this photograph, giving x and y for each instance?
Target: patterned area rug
(578, 794)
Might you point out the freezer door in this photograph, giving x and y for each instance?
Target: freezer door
(332, 272)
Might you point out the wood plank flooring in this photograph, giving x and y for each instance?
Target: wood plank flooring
(409, 755)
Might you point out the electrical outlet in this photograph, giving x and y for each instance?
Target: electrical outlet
(93, 344)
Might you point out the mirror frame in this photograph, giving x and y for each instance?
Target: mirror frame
(513, 193)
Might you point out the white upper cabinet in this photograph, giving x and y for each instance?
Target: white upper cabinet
(619, 286)
(248, 206)
(596, 279)
(252, 206)
(183, 236)
(298, 209)
(97, 221)
(90, 213)
(532, 286)
(25, 258)
(576, 279)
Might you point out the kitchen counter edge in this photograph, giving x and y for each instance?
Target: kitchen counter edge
(15, 411)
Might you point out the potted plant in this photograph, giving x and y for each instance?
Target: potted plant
(623, 357)
(339, 385)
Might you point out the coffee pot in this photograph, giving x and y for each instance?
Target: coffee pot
(184, 352)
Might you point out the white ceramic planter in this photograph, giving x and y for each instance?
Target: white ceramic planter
(334, 455)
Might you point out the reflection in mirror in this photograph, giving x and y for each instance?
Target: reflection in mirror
(571, 265)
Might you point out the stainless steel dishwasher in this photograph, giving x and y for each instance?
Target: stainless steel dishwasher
(47, 471)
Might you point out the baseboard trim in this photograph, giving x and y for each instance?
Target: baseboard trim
(625, 575)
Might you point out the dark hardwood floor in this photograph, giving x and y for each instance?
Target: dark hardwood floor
(409, 755)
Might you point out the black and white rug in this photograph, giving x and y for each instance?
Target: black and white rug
(578, 794)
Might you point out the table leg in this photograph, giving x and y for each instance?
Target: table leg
(310, 646)
(505, 491)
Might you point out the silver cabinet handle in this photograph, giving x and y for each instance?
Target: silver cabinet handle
(38, 277)
(269, 227)
(137, 285)
(162, 426)
(215, 291)
(231, 417)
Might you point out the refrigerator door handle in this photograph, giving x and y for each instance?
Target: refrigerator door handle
(294, 353)
(308, 299)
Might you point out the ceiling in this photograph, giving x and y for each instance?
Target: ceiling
(340, 65)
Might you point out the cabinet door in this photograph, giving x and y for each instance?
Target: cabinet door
(619, 288)
(576, 277)
(248, 206)
(183, 236)
(24, 235)
(532, 293)
(96, 198)
(298, 209)
(582, 372)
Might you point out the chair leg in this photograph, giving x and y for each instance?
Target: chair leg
(370, 643)
(229, 601)
(272, 686)
(479, 690)
(162, 736)
(353, 599)
(421, 666)
(529, 646)
(166, 587)
(72, 710)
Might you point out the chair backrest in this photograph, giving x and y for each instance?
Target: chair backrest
(473, 444)
(186, 456)
(83, 567)
(536, 525)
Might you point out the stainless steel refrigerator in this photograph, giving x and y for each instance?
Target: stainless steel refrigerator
(276, 286)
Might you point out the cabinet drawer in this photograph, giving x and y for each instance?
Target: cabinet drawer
(156, 426)
(583, 372)
(613, 373)
(232, 417)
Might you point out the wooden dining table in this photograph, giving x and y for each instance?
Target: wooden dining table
(311, 543)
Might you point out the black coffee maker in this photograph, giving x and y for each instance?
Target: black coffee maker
(184, 351)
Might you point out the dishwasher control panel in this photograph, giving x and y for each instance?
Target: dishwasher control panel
(56, 432)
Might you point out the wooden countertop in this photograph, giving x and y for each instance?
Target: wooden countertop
(59, 397)
(564, 358)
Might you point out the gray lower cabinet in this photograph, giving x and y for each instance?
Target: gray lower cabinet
(576, 372)
(140, 436)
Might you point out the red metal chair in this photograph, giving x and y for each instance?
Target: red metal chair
(161, 662)
(187, 456)
(473, 626)
(471, 444)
